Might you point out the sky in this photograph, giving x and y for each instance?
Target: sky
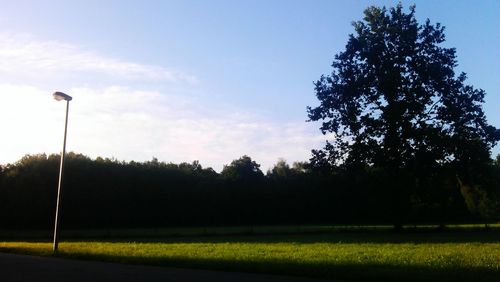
(196, 80)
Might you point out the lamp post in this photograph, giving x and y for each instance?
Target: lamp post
(60, 96)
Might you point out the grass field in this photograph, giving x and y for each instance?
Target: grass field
(465, 255)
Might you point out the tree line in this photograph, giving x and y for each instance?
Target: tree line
(107, 193)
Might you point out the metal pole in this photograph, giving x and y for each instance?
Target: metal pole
(61, 171)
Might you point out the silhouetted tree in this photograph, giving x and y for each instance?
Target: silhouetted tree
(394, 101)
(280, 170)
(242, 169)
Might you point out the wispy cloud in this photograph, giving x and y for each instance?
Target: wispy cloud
(130, 124)
(25, 55)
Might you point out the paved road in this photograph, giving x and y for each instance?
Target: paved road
(20, 268)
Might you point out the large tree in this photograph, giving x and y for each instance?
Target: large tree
(393, 98)
(394, 101)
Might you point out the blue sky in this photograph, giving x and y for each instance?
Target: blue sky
(186, 80)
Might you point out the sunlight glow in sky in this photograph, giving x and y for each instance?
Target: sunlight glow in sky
(195, 80)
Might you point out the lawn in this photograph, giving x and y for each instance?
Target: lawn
(382, 255)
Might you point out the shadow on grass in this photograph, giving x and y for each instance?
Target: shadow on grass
(412, 236)
(271, 234)
(379, 236)
(488, 236)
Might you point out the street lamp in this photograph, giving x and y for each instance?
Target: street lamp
(59, 96)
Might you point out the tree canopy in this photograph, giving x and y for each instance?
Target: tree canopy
(242, 169)
(394, 100)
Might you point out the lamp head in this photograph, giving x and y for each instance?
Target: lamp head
(61, 96)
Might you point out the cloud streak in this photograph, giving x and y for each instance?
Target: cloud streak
(21, 54)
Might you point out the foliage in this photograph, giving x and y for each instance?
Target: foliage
(484, 200)
(114, 194)
(393, 99)
(282, 171)
(243, 169)
(396, 105)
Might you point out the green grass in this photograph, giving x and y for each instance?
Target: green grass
(381, 256)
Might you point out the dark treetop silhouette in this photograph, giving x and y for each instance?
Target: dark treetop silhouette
(394, 102)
